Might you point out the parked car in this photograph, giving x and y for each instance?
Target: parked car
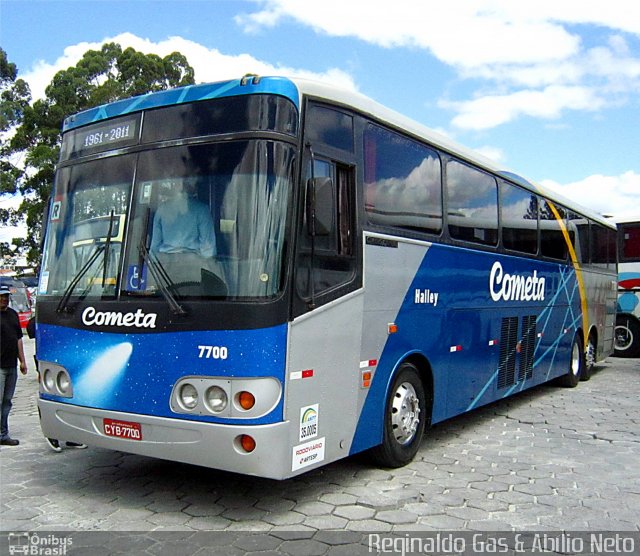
(32, 287)
(19, 300)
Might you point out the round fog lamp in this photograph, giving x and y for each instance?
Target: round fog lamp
(216, 399)
(63, 382)
(188, 396)
(49, 380)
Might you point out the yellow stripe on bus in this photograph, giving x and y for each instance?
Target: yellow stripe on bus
(576, 265)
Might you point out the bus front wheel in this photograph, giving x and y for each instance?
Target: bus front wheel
(626, 337)
(404, 419)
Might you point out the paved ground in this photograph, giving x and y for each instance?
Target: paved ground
(550, 459)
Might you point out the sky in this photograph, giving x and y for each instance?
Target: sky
(549, 89)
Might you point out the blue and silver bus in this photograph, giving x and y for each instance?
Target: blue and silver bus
(627, 333)
(266, 275)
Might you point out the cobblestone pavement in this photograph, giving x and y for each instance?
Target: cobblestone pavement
(548, 459)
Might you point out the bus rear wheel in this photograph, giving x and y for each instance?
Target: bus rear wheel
(576, 364)
(404, 419)
(589, 358)
(626, 337)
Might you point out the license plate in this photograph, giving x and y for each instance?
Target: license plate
(122, 429)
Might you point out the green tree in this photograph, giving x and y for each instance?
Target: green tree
(14, 99)
(101, 76)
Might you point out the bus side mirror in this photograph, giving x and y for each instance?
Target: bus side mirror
(31, 328)
(320, 206)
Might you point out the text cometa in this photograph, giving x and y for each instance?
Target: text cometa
(91, 317)
(515, 287)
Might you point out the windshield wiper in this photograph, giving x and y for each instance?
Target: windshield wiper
(107, 245)
(161, 277)
(103, 248)
(62, 306)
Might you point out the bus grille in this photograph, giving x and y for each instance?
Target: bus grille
(528, 347)
(508, 342)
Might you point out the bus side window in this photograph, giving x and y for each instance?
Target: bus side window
(603, 246)
(578, 229)
(473, 204)
(519, 211)
(552, 242)
(402, 181)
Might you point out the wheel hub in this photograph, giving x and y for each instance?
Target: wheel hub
(405, 413)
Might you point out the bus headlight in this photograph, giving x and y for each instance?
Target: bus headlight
(226, 398)
(63, 382)
(188, 396)
(55, 380)
(49, 380)
(216, 399)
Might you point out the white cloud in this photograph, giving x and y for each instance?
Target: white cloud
(447, 31)
(458, 32)
(488, 111)
(524, 47)
(611, 195)
(496, 154)
(209, 63)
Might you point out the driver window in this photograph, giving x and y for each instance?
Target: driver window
(332, 262)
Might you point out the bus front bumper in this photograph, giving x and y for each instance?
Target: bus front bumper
(206, 444)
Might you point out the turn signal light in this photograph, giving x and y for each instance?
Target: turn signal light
(246, 400)
(248, 443)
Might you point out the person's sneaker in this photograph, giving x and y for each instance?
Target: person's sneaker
(9, 442)
(75, 445)
(54, 444)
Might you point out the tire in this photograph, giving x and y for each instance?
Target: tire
(405, 417)
(589, 358)
(576, 365)
(626, 337)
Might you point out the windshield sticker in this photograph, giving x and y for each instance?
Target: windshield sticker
(136, 279)
(44, 282)
(56, 209)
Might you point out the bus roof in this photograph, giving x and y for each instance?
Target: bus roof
(295, 89)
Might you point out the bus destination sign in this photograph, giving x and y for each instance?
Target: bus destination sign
(107, 135)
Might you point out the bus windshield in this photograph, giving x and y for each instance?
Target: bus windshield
(203, 220)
